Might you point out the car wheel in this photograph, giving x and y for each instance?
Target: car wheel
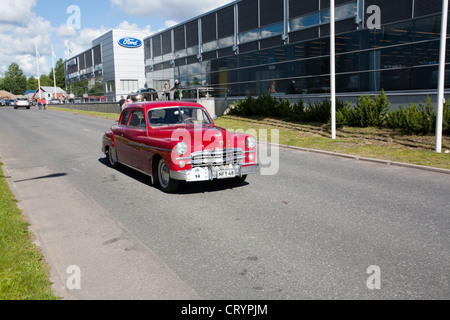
(112, 158)
(165, 182)
(239, 180)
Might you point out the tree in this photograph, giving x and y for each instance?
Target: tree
(59, 74)
(15, 81)
(46, 81)
(32, 83)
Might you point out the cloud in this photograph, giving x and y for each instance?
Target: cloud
(174, 10)
(15, 12)
(19, 37)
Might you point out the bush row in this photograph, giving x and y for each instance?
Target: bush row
(368, 112)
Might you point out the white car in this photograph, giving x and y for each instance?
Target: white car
(22, 103)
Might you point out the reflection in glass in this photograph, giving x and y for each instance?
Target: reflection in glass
(304, 22)
(272, 30)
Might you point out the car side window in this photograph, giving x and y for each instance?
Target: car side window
(125, 117)
(137, 119)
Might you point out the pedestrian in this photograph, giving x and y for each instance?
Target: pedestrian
(39, 102)
(273, 87)
(166, 91)
(127, 102)
(121, 102)
(44, 103)
(177, 92)
(292, 89)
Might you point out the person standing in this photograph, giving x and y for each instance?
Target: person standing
(121, 102)
(177, 93)
(273, 87)
(166, 91)
(44, 103)
(292, 88)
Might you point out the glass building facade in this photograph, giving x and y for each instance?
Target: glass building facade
(245, 46)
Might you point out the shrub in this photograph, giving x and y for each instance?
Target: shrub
(413, 119)
(369, 112)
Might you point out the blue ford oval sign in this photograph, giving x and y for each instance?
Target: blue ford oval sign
(130, 42)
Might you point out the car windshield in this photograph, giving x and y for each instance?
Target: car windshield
(178, 115)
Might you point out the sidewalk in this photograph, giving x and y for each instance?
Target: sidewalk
(75, 233)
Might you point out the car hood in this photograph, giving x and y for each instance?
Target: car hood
(199, 137)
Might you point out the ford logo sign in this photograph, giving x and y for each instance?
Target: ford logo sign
(130, 43)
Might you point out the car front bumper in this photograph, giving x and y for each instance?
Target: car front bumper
(214, 172)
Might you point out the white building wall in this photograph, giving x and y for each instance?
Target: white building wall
(120, 63)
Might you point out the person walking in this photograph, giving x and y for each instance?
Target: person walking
(44, 103)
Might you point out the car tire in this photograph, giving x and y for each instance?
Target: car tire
(165, 182)
(239, 180)
(111, 156)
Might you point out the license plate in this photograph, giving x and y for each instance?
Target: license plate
(226, 174)
(198, 174)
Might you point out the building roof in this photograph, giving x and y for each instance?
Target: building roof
(6, 95)
(52, 89)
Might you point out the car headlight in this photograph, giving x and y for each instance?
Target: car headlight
(251, 142)
(181, 148)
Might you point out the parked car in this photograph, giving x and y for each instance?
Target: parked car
(141, 95)
(2, 103)
(9, 102)
(54, 101)
(22, 103)
(178, 141)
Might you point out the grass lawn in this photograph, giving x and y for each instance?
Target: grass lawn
(23, 273)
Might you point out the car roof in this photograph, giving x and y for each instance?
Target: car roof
(165, 104)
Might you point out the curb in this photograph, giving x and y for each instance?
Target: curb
(380, 161)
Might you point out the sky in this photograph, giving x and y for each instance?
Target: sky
(69, 26)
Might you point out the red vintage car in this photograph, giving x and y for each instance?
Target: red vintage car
(178, 141)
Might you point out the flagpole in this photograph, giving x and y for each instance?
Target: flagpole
(441, 84)
(54, 66)
(39, 76)
(332, 70)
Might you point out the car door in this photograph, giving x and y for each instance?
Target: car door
(118, 131)
(133, 138)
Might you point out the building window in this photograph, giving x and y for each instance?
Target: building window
(110, 86)
(129, 85)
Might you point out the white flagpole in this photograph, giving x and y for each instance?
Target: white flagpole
(440, 98)
(332, 70)
(39, 76)
(54, 66)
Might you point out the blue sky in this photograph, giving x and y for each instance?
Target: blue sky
(25, 24)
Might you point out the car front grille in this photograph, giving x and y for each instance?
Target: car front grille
(217, 157)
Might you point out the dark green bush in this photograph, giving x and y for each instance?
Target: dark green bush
(369, 112)
(419, 119)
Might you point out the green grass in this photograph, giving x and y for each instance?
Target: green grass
(23, 272)
(113, 116)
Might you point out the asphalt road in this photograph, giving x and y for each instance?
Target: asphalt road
(317, 229)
